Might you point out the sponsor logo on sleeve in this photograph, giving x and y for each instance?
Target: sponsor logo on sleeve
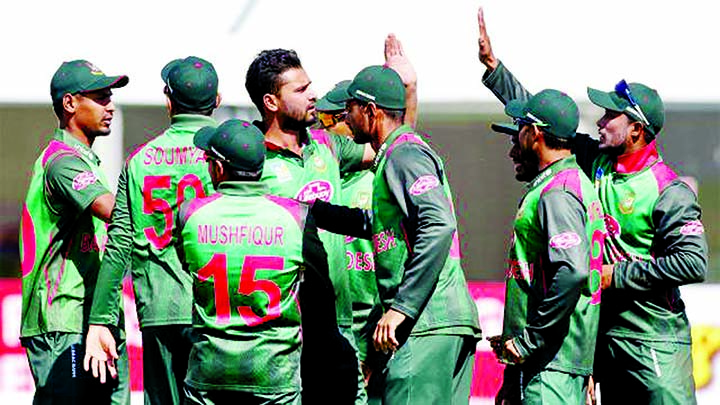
(565, 240)
(424, 184)
(693, 228)
(612, 226)
(316, 190)
(82, 180)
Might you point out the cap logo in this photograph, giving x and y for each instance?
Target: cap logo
(94, 70)
(364, 94)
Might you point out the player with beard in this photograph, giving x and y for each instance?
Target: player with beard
(552, 292)
(429, 327)
(655, 241)
(307, 165)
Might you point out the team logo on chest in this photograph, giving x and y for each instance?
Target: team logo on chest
(319, 163)
(626, 205)
(362, 200)
(282, 172)
(82, 180)
(316, 190)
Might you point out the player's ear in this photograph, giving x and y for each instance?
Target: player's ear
(69, 103)
(271, 102)
(218, 100)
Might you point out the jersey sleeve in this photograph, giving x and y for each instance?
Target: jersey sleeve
(586, 150)
(116, 260)
(563, 218)
(428, 220)
(679, 245)
(72, 183)
(503, 84)
(350, 154)
(342, 220)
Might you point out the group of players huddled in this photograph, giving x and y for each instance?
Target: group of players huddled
(313, 256)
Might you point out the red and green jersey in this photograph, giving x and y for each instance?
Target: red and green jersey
(552, 293)
(357, 193)
(414, 235)
(155, 180)
(61, 242)
(654, 234)
(244, 251)
(316, 175)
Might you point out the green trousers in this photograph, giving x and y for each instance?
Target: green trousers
(550, 387)
(166, 350)
(645, 372)
(56, 363)
(428, 369)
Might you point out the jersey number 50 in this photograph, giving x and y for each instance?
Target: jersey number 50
(248, 285)
(152, 205)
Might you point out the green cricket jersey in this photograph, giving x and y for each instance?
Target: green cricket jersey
(316, 175)
(552, 292)
(244, 251)
(357, 193)
(61, 242)
(655, 239)
(155, 180)
(414, 234)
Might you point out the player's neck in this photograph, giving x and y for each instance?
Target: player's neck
(81, 136)
(284, 138)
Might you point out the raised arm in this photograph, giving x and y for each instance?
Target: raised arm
(396, 59)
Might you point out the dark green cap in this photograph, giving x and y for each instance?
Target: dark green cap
(649, 101)
(335, 99)
(81, 76)
(380, 85)
(237, 143)
(192, 82)
(550, 109)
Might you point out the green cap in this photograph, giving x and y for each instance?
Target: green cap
(550, 109)
(335, 99)
(81, 76)
(649, 101)
(237, 143)
(380, 85)
(192, 82)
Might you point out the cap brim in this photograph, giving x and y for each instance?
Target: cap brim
(515, 108)
(202, 137)
(326, 105)
(108, 82)
(504, 128)
(602, 99)
(165, 72)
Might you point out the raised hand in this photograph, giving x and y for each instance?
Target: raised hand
(485, 52)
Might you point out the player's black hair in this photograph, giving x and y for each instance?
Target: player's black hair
(178, 109)
(393, 114)
(263, 75)
(58, 108)
(556, 143)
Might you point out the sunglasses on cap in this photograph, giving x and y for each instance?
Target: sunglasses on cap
(529, 119)
(623, 90)
(330, 120)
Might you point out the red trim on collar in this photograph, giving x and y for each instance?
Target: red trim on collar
(636, 161)
(271, 146)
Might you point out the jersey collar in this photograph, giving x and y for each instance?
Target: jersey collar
(638, 160)
(70, 140)
(195, 120)
(402, 129)
(243, 188)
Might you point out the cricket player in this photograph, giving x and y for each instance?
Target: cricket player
(307, 164)
(655, 241)
(156, 179)
(430, 324)
(62, 239)
(552, 293)
(245, 250)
